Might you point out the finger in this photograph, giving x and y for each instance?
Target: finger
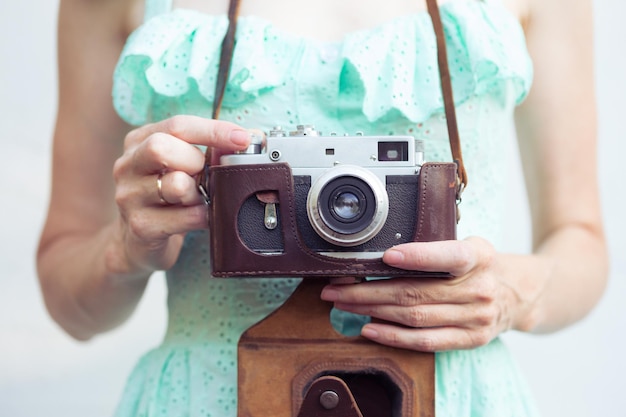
(164, 152)
(427, 339)
(195, 130)
(395, 291)
(430, 315)
(176, 187)
(256, 136)
(155, 224)
(457, 257)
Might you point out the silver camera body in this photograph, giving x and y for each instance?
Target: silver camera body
(348, 181)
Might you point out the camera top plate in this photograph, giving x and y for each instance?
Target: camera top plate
(308, 152)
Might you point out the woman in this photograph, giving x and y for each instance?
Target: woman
(346, 67)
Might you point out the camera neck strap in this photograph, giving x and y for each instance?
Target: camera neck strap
(228, 46)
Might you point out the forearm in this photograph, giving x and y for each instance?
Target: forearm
(561, 282)
(557, 131)
(81, 289)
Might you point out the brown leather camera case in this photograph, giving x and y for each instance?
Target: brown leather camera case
(231, 185)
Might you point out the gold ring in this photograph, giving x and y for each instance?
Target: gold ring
(162, 200)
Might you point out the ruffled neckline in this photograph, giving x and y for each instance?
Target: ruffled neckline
(176, 54)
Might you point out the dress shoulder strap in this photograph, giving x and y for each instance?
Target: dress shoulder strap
(156, 7)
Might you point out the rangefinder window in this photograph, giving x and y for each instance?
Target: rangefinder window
(393, 151)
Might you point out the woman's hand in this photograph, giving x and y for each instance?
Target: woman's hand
(153, 220)
(466, 311)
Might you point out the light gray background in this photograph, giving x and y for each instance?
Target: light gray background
(578, 372)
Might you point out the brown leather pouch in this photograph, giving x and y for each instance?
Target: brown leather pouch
(294, 364)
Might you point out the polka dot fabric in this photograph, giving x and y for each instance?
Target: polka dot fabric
(378, 81)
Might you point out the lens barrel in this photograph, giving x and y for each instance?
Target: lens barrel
(347, 205)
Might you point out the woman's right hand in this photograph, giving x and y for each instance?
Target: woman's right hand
(153, 222)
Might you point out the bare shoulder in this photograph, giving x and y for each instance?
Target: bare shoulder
(559, 13)
(118, 15)
(519, 8)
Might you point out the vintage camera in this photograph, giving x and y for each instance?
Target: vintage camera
(303, 203)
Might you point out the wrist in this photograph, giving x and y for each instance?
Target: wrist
(529, 277)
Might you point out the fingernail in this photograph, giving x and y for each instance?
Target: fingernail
(240, 137)
(369, 333)
(393, 257)
(329, 294)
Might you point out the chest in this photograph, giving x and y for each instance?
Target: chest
(324, 20)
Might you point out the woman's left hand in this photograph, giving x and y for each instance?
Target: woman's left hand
(429, 314)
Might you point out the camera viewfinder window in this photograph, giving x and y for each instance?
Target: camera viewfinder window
(393, 151)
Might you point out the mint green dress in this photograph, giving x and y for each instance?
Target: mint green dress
(378, 81)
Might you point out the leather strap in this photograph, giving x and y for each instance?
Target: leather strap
(226, 57)
(228, 46)
(448, 97)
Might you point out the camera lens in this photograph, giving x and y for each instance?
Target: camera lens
(347, 205)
